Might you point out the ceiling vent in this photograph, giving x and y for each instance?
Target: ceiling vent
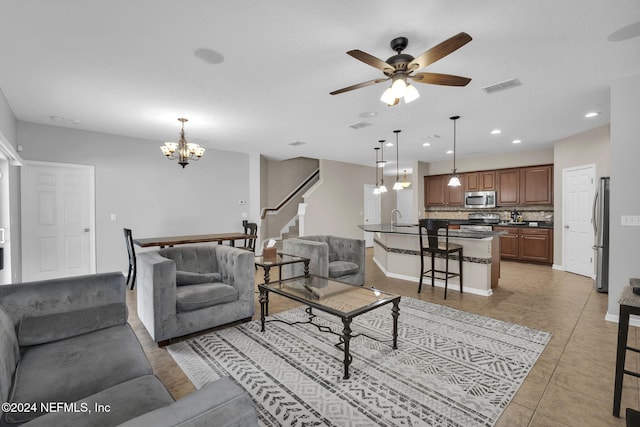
(297, 143)
(359, 125)
(507, 84)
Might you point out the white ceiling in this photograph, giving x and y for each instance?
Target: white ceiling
(130, 68)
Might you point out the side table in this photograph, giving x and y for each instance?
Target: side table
(629, 304)
(278, 261)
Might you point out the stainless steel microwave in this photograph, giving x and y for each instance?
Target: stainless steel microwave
(480, 199)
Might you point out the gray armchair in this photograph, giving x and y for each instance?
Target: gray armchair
(188, 289)
(338, 258)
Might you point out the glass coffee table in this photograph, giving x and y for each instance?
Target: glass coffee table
(339, 299)
(278, 261)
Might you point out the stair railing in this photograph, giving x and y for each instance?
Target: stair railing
(290, 196)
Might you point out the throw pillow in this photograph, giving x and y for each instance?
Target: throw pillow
(58, 326)
(188, 278)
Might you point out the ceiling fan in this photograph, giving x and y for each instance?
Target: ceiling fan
(401, 67)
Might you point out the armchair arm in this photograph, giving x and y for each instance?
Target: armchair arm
(317, 252)
(156, 297)
(220, 403)
(237, 268)
(67, 296)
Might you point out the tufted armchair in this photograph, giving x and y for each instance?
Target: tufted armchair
(188, 289)
(338, 258)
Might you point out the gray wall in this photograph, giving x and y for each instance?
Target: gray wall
(592, 147)
(625, 195)
(335, 204)
(8, 128)
(148, 193)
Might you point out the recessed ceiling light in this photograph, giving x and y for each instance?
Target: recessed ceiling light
(496, 132)
(366, 114)
(297, 143)
(592, 114)
(449, 151)
(516, 141)
(57, 118)
(426, 144)
(389, 144)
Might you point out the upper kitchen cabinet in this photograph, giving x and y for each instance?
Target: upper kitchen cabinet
(438, 193)
(525, 186)
(536, 186)
(508, 187)
(480, 181)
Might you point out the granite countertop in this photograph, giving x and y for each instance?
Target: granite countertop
(412, 229)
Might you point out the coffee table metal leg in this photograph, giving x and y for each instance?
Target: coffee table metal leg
(346, 337)
(395, 312)
(264, 306)
(266, 274)
(306, 268)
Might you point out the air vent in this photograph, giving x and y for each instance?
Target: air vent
(507, 84)
(359, 125)
(297, 143)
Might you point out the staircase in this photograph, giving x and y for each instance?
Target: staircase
(291, 232)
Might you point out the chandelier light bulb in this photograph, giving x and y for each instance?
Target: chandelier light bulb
(411, 94)
(399, 88)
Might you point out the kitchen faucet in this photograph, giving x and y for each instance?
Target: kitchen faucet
(399, 216)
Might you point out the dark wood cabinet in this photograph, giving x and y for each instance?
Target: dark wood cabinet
(508, 187)
(526, 244)
(480, 181)
(525, 186)
(536, 185)
(438, 193)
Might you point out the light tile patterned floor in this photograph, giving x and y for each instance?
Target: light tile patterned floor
(570, 385)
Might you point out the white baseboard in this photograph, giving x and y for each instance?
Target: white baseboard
(438, 283)
(615, 318)
(557, 267)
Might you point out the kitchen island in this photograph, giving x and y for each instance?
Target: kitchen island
(396, 250)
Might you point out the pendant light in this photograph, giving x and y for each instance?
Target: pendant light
(383, 188)
(377, 189)
(397, 185)
(454, 181)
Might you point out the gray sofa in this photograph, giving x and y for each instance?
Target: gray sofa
(188, 289)
(338, 258)
(68, 353)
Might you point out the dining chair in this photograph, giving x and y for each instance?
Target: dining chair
(435, 247)
(131, 275)
(250, 228)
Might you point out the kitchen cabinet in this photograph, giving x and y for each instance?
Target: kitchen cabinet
(438, 193)
(508, 189)
(525, 186)
(480, 181)
(526, 244)
(536, 185)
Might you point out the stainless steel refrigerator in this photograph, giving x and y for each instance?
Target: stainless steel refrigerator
(601, 231)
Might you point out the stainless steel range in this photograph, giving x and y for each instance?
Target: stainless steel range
(481, 221)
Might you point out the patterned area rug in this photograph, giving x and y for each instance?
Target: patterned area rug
(451, 368)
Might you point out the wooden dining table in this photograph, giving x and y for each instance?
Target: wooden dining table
(194, 238)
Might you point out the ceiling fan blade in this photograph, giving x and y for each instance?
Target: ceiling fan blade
(358, 86)
(440, 79)
(439, 51)
(370, 60)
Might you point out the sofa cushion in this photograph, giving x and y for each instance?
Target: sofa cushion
(72, 369)
(9, 354)
(342, 268)
(125, 401)
(189, 278)
(53, 327)
(193, 297)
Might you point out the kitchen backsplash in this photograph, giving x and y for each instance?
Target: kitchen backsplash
(529, 213)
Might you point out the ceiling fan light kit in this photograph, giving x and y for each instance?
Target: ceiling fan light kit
(401, 67)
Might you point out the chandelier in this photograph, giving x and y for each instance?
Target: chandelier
(182, 150)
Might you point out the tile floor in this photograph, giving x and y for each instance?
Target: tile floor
(570, 385)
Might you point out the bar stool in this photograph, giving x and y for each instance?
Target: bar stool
(435, 246)
(629, 304)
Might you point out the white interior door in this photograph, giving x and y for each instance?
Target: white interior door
(579, 189)
(5, 222)
(372, 208)
(57, 221)
(404, 202)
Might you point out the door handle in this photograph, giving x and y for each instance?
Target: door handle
(566, 226)
(86, 229)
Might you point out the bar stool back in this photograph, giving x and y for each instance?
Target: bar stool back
(430, 228)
